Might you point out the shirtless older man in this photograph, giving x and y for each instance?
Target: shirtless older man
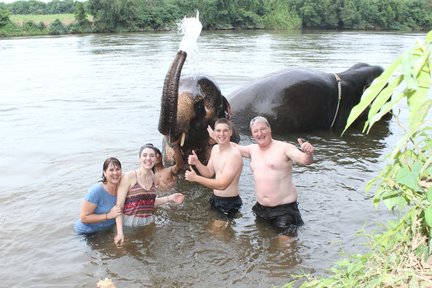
(225, 164)
(271, 164)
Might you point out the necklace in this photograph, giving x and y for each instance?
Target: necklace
(145, 180)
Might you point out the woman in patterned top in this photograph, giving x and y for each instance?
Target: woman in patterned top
(137, 194)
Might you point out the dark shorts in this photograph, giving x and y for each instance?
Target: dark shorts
(285, 217)
(228, 206)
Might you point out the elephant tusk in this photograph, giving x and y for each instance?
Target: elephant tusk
(182, 139)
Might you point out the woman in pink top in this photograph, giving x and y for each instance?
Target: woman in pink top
(137, 194)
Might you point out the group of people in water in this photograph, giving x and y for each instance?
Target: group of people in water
(130, 199)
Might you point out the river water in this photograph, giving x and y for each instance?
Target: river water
(67, 103)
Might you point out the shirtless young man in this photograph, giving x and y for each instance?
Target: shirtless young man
(271, 164)
(225, 164)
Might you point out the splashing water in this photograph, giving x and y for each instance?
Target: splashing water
(191, 29)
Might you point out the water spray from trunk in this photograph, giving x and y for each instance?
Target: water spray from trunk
(190, 28)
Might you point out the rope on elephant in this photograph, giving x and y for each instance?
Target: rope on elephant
(339, 98)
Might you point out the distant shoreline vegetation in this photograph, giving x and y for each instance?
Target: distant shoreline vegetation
(26, 18)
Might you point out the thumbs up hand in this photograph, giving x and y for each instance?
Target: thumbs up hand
(193, 158)
(305, 146)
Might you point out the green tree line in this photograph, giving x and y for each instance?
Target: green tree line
(158, 15)
(38, 7)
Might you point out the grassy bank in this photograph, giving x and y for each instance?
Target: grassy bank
(46, 24)
(47, 19)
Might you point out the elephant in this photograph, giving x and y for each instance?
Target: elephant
(189, 104)
(298, 99)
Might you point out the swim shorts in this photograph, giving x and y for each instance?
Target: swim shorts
(228, 206)
(285, 217)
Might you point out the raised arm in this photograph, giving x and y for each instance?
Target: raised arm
(303, 156)
(178, 158)
(223, 180)
(244, 150)
(206, 171)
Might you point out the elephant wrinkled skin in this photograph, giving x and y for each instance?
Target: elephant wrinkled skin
(302, 99)
(188, 105)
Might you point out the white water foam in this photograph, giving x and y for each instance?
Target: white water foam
(191, 29)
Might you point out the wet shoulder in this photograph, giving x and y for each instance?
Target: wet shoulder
(129, 177)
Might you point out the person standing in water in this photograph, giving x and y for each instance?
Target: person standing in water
(137, 194)
(271, 164)
(222, 171)
(98, 209)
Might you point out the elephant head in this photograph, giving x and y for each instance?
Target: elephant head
(188, 106)
(354, 82)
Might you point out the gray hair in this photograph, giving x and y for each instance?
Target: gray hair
(259, 119)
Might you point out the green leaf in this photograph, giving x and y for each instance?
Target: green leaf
(408, 178)
(395, 202)
(429, 194)
(406, 63)
(428, 38)
(381, 104)
(418, 102)
(428, 216)
(369, 95)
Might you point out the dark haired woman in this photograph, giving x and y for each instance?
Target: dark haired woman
(98, 209)
(137, 194)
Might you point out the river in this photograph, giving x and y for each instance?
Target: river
(69, 102)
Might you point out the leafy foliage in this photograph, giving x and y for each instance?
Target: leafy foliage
(400, 256)
(143, 15)
(57, 28)
(4, 17)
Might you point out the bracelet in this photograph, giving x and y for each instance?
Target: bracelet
(106, 216)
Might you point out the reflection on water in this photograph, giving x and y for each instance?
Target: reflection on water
(69, 102)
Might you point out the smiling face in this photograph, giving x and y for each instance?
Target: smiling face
(261, 131)
(223, 133)
(112, 173)
(147, 158)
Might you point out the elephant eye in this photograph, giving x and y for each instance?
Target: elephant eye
(199, 109)
(199, 106)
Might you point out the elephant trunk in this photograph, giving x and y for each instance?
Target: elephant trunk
(168, 113)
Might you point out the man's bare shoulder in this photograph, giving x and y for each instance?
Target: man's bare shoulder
(215, 149)
(234, 150)
(284, 144)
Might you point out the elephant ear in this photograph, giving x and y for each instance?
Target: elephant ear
(225, 109)
(212, 95)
